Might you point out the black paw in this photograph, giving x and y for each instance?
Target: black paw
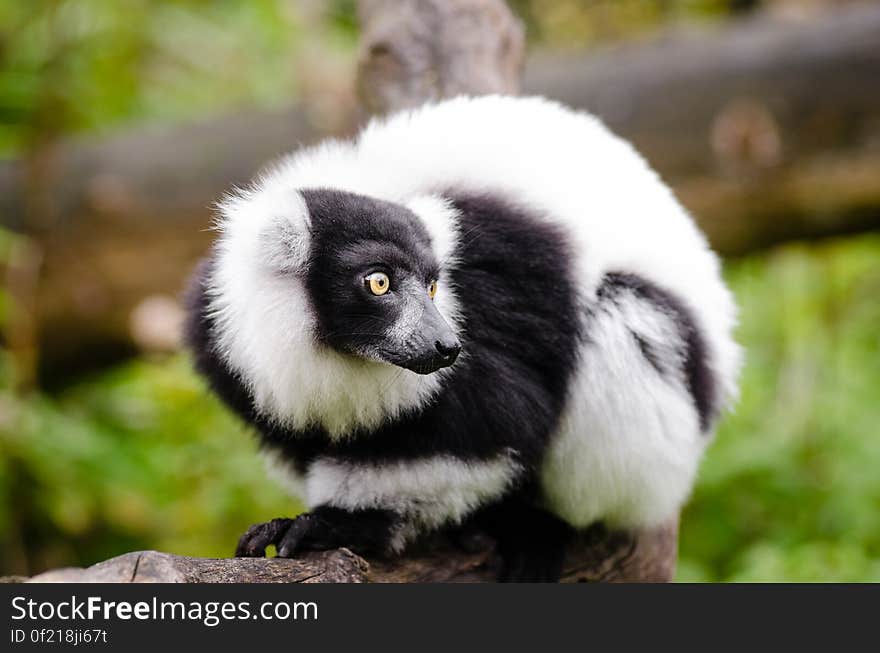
(288, 536)
(362, 531)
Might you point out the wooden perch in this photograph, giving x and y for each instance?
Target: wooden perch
(598, 556)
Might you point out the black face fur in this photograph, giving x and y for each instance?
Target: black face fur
(354, 236)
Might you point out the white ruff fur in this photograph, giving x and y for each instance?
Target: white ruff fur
(426, 493)
(629, 443)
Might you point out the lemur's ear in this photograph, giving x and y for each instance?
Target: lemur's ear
(284, 241)
(266, 224)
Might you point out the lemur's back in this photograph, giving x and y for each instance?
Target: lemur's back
(566, 167)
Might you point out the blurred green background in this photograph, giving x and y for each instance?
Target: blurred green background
(139, 455)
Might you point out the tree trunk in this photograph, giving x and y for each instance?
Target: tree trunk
(416, 51)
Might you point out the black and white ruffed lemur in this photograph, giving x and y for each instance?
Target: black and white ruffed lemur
(484, 310)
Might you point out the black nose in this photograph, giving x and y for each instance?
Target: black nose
(448, 350)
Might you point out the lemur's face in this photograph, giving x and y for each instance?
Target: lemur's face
(372, 278)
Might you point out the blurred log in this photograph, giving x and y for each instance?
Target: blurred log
(124, 219)
(768, 130)
(596, 557)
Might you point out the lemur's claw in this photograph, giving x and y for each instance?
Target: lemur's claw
(255, 540)
(295, 537)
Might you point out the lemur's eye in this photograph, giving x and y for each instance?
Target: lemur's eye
(432, 289)
(378, 282)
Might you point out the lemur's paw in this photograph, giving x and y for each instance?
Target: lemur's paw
(255, 540)
(307, 532)
(363, 531)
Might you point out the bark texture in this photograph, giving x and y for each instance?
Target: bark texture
(413, 51)
(598, 556)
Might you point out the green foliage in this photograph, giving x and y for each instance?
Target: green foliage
(69, 66)
(790, 490)
(572, 24)
(141, 457)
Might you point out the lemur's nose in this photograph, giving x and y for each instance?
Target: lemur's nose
(448, 350)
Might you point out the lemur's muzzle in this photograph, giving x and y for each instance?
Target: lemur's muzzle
(433, 344)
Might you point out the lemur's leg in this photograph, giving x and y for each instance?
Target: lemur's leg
(531, 542)
(325, 527)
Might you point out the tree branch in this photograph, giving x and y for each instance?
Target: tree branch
(413, 51)
(597, 556)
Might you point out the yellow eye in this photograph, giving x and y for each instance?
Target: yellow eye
(378, 283)
(432, 289)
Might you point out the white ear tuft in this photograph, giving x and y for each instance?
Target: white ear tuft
(285, 239)
(275, 219)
